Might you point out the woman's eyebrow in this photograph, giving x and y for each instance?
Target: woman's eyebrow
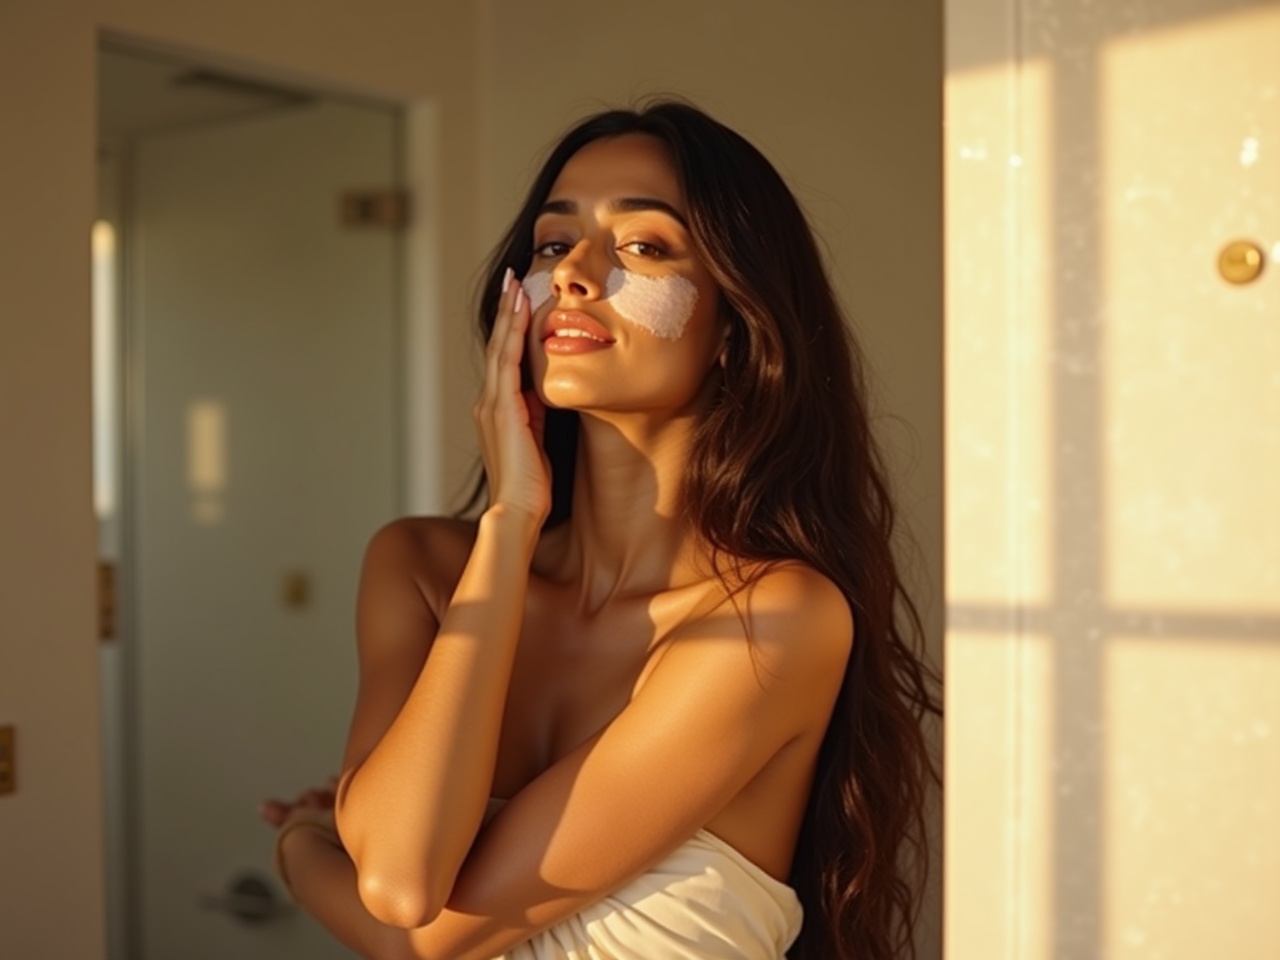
(617, 205)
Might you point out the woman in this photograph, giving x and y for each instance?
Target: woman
(663, 692)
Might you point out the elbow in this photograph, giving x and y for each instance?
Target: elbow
(398, 904)
(391, 897)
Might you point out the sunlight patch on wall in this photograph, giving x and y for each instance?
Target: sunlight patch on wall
(1000, 796)
(999, 316)
(1192, 794)
(1192, 363)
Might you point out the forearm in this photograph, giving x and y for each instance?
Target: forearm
(322, 879)
(409, 812)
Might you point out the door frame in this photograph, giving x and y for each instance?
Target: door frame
(419, 410)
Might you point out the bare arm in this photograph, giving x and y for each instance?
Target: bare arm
(416, 785)
(714, 712)
(710, 717)
(409, 810)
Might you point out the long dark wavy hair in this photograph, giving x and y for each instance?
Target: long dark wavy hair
(800, 478)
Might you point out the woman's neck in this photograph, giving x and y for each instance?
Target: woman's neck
(627, 534)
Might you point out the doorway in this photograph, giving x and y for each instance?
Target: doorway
(247, 432)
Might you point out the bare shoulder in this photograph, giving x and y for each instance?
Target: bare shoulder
(798, 615)
(795, 588)
(431, 551)
(426, 535)
(796, 622)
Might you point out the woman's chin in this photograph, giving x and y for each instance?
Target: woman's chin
(564, 394)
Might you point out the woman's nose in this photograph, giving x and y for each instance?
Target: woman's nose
(578, 274)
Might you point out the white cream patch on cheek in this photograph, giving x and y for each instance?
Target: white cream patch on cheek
(537, 287)
(661, 305)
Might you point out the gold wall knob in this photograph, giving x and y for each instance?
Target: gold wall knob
(1241, 261)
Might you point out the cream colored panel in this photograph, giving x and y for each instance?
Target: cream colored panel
(998, 401)
(999, 797)
(1191, 139)
(1193, 799)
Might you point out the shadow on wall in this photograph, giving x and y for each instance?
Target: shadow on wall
(1113, 447)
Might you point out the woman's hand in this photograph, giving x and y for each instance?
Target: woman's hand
(314, 799)
(312, 816)
(509, 421)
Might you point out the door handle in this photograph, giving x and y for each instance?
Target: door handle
(250, 898)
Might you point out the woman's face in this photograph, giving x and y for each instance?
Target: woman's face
(626, 317)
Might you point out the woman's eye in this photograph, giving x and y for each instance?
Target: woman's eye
(552, 249)
(641, 249)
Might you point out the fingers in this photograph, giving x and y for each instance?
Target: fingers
(503, 316)
(508, 424)
(512, 310)
(315, 798)
(274, 812)
(505, 348)
(513, 346)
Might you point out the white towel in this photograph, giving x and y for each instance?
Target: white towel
(705, 901)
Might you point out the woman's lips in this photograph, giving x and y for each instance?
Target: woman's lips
(572, 332)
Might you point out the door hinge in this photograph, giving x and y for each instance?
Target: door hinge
(8, 761)
(106, 600)
(374, 208)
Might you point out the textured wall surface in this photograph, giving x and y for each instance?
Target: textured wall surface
(1113, 444)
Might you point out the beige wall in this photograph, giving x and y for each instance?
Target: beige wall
(1113, 444)
(51, 897)
(49, 829)
(845, 98)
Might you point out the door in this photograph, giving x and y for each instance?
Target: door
(262, 338)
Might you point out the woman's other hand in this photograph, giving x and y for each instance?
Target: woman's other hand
(509, 420)
(313, 799)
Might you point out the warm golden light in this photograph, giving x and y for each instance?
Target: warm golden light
(1191, 361)
(1113, 676)
(1000, 787)
(1193, 792)
(999, 322)
(1191, 458)
(1000, 781)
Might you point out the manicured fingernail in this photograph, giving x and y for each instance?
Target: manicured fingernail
(506, 279)
(519, 300)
